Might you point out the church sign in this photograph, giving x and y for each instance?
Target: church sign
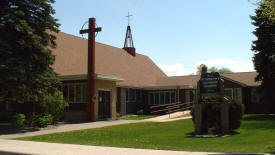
(210, 84)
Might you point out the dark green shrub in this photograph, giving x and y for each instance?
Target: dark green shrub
(19, 119)
(140, 112)
(54, 105)
(44, 121)
(236, 111)
(40, 120)
(211, 117)
(31, 121)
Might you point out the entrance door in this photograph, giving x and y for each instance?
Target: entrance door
(103, 104)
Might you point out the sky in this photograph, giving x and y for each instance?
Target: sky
(178, 35)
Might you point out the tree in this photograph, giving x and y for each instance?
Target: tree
(264, 50)
(213, 69)
(26, 76)
(224, 70)
(199, 68)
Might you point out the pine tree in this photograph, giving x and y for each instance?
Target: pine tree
(264, 50)
(26, 75)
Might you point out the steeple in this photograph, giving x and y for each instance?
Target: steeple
(129, 44)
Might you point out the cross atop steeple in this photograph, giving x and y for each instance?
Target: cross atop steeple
(128, 18)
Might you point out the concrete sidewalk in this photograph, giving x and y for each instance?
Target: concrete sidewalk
(67, 127)
(98, 124)
(42, 148)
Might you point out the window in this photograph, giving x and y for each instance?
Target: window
(127, 94)
(167, 97)
(151, 99)
(84, 93)
(238, 94)
(65, 92)
(162, 97)
(78, 92)
(173, 97)
(130, 95)
(75, 93)
(157, 98)
(255, 97)
(228, 93)
(71, 93)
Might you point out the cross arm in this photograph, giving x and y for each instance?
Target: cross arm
(98, 29)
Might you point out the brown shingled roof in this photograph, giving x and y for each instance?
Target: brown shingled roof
(71, 59)
(244, 78)
(247, 78)
(178, 80)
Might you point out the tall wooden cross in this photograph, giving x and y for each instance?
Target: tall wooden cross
(91, 67)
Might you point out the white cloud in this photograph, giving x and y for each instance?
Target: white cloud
(174, 69)
(233, 65)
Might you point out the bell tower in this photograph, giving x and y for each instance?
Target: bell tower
(129, 44)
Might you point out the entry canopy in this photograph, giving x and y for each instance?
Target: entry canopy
(97, 76)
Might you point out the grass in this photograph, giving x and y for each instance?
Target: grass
(257, 134)
(139, 117)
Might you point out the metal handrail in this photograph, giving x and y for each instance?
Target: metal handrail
(173, 107)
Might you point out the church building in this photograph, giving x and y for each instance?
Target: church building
(126, 81)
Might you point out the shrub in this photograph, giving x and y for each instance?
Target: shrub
(54, 105)
(211, 116)
(31, 121)
(236, 111)
(44, 121)
(140, 112)
(19, 119)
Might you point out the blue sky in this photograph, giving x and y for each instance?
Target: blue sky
(177, 35)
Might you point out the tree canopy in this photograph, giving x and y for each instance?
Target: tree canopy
(26, 75)
(213, 69)
(264, 50)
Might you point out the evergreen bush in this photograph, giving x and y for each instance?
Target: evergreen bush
(19, 119)
(211, 116)
(44, 121)
(54, 105)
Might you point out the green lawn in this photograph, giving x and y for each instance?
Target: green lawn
(139, 117)
(257, 134)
